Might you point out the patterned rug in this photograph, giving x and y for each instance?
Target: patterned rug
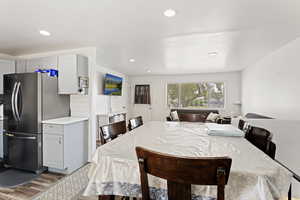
(69, 187)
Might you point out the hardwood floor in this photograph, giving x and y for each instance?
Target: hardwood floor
(30, 189)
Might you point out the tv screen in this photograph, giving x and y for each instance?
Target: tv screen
(112, 85)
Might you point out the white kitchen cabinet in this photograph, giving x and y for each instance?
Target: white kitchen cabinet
(21, 66)
(53, 150)
(72, 74)
(65, 144)
(6, 67)
(34, 64)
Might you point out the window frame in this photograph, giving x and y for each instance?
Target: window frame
(193, 108)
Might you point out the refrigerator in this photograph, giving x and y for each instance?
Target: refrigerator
(29, 98)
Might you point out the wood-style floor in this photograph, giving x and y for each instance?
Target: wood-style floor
(30, 189)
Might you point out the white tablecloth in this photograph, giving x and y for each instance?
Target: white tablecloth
(254, 176)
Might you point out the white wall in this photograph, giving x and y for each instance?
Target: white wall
(271, 87)
(159, 109)
(109, 104)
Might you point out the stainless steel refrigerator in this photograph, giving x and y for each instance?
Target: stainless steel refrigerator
(29, 98)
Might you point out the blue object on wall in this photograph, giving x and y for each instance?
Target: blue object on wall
(51, 72)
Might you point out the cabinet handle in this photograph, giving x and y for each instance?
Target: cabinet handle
(59, 141)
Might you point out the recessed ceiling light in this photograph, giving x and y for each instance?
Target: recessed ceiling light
(131, 60)
(170, 13)
(148, 70)
(213, 53)
(45, 33)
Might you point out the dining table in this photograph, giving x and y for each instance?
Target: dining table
(254, 175)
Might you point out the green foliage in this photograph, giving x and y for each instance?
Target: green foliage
(198, 95)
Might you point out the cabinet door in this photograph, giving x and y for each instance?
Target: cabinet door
(6, 67)
(53, 151)
(82, 66)
(49, 62)
(67, 74)
(34, 64)
(21, 66)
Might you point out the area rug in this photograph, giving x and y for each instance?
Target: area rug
(28, 190)
(12, 178)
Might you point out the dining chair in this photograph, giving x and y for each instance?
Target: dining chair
(272, 150)
(108, 133)
(260, 138)
(241, 124)
(191, 117)
(111, 131)
(135, 123)
(181, 172)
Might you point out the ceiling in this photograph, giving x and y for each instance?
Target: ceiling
(240, 31)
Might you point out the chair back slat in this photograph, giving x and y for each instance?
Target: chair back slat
(135, 123)
(181, 172)
(241, 124)
(179, 191)
(272, 150)
(111, 131)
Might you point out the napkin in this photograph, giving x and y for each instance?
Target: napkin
(224, 130)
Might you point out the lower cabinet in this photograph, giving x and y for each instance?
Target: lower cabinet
(53, 151)
(65, 146)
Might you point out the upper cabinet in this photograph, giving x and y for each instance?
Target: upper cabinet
(72, 71)
(49, 62)
(72, 74)
(6, 67)
(21, 66)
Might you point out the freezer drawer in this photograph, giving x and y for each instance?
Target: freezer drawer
(23, 151)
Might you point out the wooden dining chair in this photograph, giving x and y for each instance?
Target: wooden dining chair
(272, 150)
(191, 117)
(135, 123)
(111, 131)
(260, 138)
(241, 124)
(108, 133)
(181, 172)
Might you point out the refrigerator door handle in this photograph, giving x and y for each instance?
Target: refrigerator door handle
(17, 137)
(16, 101)
(13, 101)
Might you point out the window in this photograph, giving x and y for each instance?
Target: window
(196, 95)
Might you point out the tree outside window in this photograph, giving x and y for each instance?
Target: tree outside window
(196, 95)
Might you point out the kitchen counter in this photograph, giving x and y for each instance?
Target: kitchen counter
(65, 120)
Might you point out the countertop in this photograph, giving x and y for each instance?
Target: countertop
(65, 120)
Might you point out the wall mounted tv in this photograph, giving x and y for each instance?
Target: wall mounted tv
(112, 85)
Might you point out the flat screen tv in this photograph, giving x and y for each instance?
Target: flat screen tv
(112, 85)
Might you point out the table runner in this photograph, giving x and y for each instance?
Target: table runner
(253, 176)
